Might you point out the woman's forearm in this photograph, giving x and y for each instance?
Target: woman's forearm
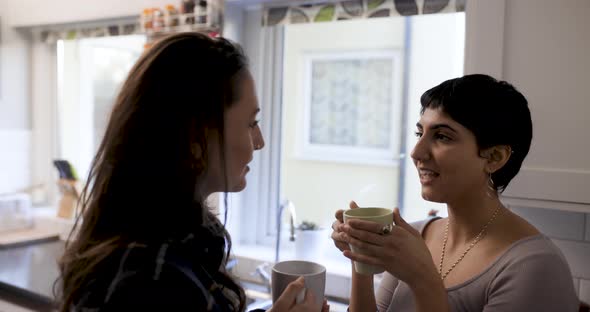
(362, 294)
(431, 295)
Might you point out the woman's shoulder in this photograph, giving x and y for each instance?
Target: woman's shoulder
(533, 274)
(526, 244)
(535, 249)
(421, 225)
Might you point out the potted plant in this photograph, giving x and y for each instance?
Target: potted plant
(309, 241)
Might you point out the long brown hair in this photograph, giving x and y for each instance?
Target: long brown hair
(144, 180)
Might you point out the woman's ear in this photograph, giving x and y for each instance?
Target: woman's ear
(196, 150)
(497, 156)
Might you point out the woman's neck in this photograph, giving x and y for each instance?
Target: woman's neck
(468, 216)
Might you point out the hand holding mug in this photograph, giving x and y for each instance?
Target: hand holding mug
(298, 286)
(337, 234)
(380, 221)
(402, 252)
(288, 299)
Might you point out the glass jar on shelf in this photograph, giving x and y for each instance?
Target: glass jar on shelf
(171, 16)
(202, 12)
(188, 9)
(158, 22)
(146, 19)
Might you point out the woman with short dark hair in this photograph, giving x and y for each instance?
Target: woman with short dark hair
(473, 135)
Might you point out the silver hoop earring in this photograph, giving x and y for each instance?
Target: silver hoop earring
(491, 186)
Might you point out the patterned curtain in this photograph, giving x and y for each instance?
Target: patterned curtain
(337, 10)
(72, 32)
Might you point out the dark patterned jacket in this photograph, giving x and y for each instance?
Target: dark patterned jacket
(165, 277)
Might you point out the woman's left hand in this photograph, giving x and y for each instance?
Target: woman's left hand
(402, 252)
(325, 306)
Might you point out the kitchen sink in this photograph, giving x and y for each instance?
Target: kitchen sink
(258, 297)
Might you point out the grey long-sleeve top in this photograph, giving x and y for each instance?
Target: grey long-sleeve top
(532, 275)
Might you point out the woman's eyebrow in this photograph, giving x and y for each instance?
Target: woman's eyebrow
(439, 126)
(436, 126)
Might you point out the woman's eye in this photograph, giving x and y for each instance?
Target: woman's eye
(254, 124)
(418, 134)
(442, 137)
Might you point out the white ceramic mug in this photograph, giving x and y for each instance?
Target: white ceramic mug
(283, 273)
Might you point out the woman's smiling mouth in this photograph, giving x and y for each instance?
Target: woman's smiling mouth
(427, 176)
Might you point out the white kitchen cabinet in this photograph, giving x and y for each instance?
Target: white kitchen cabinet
(537, 45)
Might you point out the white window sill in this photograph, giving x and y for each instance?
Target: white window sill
(338, 268)
(334, 266)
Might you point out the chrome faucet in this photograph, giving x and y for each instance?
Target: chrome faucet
(292, 221)
(261, 271)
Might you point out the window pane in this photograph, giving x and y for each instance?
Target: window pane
(351, 102)
(341, 110)
(90, 73)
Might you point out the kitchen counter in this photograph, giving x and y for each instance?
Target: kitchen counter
(27, 274)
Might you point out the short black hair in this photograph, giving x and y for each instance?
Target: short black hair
(494, 111)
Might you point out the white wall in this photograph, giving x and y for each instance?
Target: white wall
(15, 112)
(14, 73)
(318, 188)
(15, 170)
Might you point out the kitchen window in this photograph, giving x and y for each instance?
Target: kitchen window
(319, 182)
(90, 73)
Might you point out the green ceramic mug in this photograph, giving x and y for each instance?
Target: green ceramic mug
(382, 216)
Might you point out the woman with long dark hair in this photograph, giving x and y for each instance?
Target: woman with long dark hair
(183, 127)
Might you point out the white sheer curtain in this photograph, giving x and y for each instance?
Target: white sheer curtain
(252, 213)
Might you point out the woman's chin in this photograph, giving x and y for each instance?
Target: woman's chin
(431, 196)
(238, 187)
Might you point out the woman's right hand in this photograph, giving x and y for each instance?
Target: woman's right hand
(287, 300)
(336, 233)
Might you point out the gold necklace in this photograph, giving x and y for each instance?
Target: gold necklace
(473, 243)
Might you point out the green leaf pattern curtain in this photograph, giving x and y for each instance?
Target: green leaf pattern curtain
(356, 9)
(51, 36)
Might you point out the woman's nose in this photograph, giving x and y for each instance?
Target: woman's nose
(258, 140)
(420, 151)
